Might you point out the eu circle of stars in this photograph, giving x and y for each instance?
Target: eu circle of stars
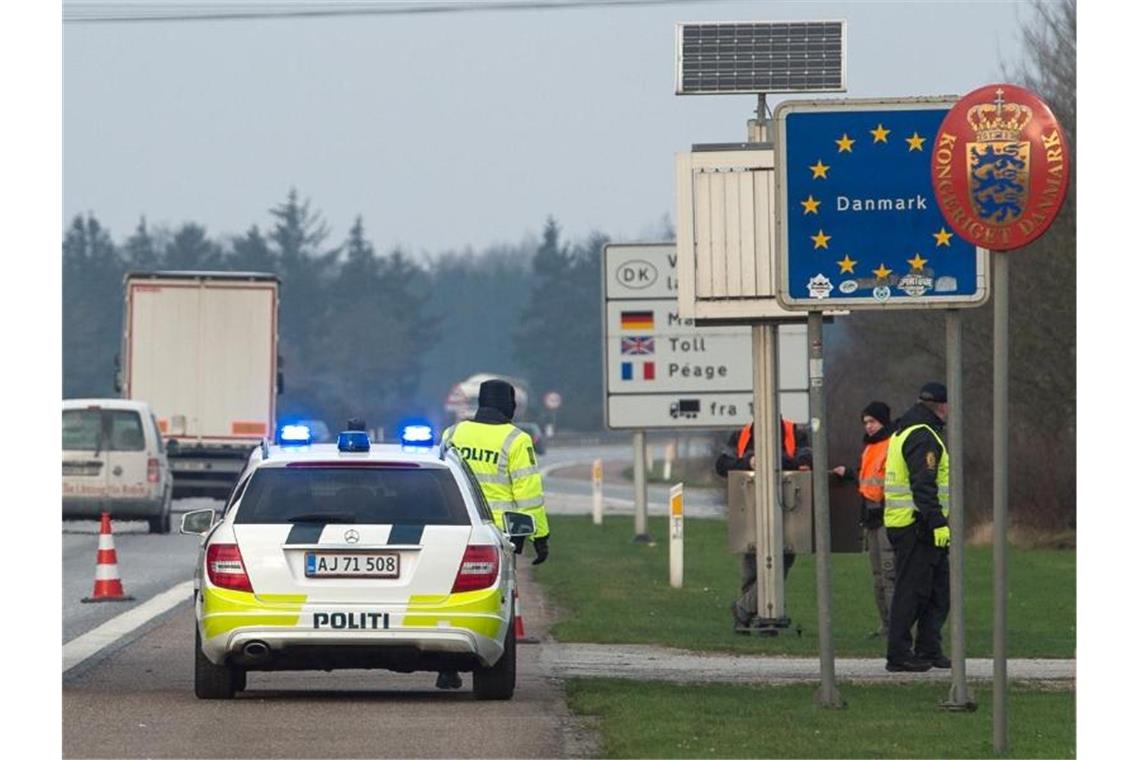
(861, 209)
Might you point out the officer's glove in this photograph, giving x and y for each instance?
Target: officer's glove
(942, 537)
(541, 549)
(519, 542)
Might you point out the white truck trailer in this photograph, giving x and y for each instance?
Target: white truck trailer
(201, 349)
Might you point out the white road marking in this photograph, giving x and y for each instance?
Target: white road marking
(81, 648)
(546, 469)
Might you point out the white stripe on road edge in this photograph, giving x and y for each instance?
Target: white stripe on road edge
(546, 469)
(79, 649)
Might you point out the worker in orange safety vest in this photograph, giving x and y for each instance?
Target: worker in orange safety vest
(794, 456)
(877, 430)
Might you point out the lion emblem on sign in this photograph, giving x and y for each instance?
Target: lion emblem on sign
(999, 160)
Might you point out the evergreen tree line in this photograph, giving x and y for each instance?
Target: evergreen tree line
(383, 337)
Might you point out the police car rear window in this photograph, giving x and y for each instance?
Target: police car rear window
(426, 496)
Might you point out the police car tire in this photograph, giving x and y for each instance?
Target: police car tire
(213, 681)
(498, 681)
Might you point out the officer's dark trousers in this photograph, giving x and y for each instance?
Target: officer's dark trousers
(746, 603)
(922, 595)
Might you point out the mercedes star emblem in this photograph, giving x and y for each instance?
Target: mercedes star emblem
(351, 536)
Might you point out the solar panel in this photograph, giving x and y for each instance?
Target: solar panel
(761, 57)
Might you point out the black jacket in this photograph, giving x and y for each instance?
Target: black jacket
(923, 455)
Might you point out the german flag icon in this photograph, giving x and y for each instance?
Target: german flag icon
(637, 320)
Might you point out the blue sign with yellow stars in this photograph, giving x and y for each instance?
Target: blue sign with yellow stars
(858, 223)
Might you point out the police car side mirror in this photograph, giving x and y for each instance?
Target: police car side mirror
(518, 524)
(197, 522)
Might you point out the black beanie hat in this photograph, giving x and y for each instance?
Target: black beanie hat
(498, 394)
(879, 411)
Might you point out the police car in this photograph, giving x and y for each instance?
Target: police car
(355, 555)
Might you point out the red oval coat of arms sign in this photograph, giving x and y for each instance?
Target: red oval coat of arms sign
(1000, 167)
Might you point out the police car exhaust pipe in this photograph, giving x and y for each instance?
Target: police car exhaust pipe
(256, 650)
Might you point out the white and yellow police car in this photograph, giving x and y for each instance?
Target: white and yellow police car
(355, 555)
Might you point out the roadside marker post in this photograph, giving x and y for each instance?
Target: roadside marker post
(677, 535)
(597, 478)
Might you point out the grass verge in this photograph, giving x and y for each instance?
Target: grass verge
(609, 590)
(639, 719)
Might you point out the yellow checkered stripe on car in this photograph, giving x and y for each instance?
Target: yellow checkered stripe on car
(475, 611)
(223, 610)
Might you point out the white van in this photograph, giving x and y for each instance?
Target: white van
(114, 461)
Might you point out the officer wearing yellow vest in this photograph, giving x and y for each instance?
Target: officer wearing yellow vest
(877, 428)
(502, 458)
(917, 503)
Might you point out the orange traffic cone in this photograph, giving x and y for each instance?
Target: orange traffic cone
(108, 587)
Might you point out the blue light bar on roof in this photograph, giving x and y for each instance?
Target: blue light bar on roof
(294, 435)
(353, 440)
(417, 435)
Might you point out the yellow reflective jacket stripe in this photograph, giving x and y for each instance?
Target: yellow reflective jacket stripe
(900, 509)
(503, 461)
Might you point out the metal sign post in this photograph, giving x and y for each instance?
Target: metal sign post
(827, 695)
(770, 614)
(959, 698)
(598, 502)
(640, 492)
(1001, 495)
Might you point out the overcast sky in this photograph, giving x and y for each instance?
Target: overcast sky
(448, 129)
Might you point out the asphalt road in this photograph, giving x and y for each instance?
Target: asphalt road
(138, 701)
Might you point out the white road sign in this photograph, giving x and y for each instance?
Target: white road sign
(662, 371)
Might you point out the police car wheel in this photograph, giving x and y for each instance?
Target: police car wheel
(214, 681)
(498, 681)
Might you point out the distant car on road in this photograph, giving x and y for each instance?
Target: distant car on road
(535, 432)
(355, 555)
(114, 461)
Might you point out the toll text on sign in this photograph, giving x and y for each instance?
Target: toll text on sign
(687, 345)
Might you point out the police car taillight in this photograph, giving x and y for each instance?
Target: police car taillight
(225, 568)
(479, 569)
(152, 470)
